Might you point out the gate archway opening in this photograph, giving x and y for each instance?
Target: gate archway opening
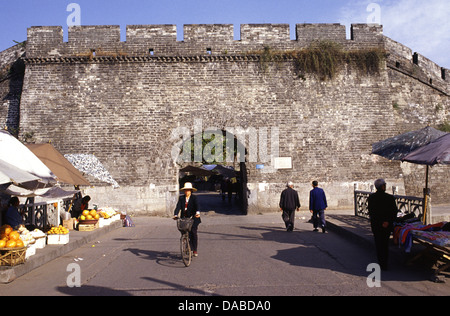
(214, 162)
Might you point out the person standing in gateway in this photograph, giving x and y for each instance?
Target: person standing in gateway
(289, 202)
(317, 206)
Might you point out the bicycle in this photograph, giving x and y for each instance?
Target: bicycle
(184, 225)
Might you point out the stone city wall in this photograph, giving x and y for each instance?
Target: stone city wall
(122, 101)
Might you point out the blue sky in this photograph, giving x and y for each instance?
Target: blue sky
(424, 26)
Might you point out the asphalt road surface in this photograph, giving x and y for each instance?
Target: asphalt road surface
(238, 256)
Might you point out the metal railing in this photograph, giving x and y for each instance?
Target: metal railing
(44, 214)
(405, 204)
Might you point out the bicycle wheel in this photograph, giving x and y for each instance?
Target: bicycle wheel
(185, 250)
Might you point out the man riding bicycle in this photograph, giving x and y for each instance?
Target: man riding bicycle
(187, 207)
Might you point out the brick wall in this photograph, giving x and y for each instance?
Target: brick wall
(122, 100)
(11, 80)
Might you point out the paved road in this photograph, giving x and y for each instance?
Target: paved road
(239, 256)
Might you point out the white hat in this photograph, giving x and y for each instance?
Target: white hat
(188, 186)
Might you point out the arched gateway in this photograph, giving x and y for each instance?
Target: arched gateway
(309, 108)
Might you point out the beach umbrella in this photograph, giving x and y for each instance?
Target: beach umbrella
(65, 172)
(12, 174)
(398, 147)
(436, 152)
(49, 193)
(17, 154)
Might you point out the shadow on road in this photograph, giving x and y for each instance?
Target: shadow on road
(164, 258)
(309, 252)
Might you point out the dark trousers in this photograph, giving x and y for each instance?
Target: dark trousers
(318, 218)
(382, 247)
(193, 237)
(289, 219)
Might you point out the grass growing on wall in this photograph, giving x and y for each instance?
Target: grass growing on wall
(325, 59)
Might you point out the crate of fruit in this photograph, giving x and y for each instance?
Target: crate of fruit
(57, 239)
(58, 236)
(12, 256)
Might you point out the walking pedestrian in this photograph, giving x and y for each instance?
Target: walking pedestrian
(317, 206)
(289, 202)
(382, 212)
(187, 207)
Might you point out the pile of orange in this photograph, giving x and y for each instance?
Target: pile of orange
(9, 238)
(89, 215)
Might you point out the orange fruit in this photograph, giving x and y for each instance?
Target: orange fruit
(93, 213)
(19, 244)
(14, 236)
(7, 230)
(85, 212)
(2, 244)
(89, 217)
(97, 216)
(11, 244)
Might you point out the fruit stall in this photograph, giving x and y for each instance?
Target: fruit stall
(18, 245)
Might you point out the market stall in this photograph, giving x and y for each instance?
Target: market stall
(434, 237)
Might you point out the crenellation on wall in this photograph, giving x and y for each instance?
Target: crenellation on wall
(398, 50)
(199, 40)
(45, 41)
(162, 39)
(209, 33)
(95, 39)
(265, 33)
(151, 40)
(428, 66)
(307, 33)
(403, 59)
(367, 33)
(144, 34)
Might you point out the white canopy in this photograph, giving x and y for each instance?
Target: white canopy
(12, 174)
(49, 193)
(17, 154)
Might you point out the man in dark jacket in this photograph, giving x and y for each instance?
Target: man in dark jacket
(289, 202)
(383, 212)
(317, 206)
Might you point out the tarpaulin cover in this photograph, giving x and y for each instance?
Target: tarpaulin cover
(89, 164)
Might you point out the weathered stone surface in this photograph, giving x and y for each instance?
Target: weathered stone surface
(121, 101)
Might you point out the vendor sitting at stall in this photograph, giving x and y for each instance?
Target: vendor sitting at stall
(13, 217)
(80, 205)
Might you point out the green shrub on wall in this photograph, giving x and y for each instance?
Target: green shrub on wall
(325, 59)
